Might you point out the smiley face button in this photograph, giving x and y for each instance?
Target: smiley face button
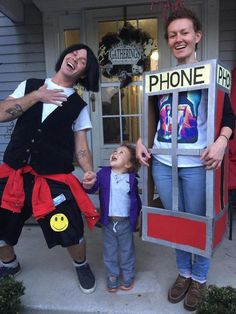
(59, 222)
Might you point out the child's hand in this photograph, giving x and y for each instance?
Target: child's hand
(89, 179)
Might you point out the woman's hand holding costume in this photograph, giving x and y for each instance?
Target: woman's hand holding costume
(214, 153)
(142, 153)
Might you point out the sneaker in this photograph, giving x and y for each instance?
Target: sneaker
(177, 292)
(194, 295)
(9, 271)
(86, 278)
(112, 283)
(127, 285)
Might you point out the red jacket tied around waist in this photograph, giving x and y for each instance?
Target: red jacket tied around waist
(13, 194)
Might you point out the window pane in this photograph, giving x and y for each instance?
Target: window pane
(111, 130)
(71, 37)
(130, 126)
(129, 103)
(110, 101)
(106, 27)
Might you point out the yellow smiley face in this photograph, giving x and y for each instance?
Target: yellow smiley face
(59, 222)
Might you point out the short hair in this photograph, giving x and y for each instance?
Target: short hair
(183, 13)
(90, 79)
(135, 165)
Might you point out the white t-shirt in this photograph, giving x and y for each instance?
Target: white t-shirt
(119, 202)
(192, 126)
(81, 123)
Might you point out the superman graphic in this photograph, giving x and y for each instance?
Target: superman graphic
(189, 102)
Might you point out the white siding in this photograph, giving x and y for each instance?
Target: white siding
(21, 50)
(21, 57)
(227, 44)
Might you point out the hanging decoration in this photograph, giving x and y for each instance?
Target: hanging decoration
(125, 54)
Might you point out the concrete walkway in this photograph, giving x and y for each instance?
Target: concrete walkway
(51, 283)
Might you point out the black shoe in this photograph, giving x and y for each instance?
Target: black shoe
(9, 271)
(86, 278)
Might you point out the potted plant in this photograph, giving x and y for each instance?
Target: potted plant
(10, 293)
(218, 300)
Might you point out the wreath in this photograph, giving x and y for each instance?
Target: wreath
(137, 41)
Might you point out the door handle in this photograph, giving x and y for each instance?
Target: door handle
(93, 99)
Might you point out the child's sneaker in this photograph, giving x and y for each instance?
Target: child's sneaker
(112, 283)
(127, 284)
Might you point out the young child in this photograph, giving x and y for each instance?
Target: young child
(120, 207)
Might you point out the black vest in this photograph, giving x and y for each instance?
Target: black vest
(47, 146)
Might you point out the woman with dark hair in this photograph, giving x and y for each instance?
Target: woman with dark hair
(183, 33)
(51, 127)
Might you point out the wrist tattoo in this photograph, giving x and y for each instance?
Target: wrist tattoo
(15, 111)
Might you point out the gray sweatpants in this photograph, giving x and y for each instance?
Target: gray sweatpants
(119, 251)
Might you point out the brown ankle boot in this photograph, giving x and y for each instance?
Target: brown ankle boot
(177, 292)
(194, 295)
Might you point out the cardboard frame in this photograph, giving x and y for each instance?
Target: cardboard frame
(196, 234)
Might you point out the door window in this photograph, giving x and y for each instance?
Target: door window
(121, 113)
(71, 37)
(122, 108)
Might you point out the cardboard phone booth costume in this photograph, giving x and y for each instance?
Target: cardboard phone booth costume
(192, 233)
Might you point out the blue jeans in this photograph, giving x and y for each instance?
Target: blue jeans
(118, 249)
(192, 199)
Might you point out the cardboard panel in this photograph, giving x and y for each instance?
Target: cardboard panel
(177, 230)
(226, 179)
(197, 235)
(220, 226)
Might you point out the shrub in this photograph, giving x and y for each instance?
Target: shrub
(10, 293)
(218, 300)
